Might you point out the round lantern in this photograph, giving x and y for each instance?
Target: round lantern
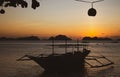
(92, 12)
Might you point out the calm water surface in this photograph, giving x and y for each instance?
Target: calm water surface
(10, 51)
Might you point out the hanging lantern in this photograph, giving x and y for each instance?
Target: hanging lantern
(92, 12)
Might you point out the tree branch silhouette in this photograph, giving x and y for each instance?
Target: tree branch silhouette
(16, 3)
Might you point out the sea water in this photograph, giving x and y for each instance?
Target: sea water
(10, 51)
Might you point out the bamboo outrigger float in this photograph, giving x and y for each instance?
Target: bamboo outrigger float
(96, 58)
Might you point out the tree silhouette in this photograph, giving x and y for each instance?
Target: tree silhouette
(15, 3)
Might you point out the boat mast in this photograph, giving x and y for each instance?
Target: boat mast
(77, 45)
(65, 45)
(53, 46)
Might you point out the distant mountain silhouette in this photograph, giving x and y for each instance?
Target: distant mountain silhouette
(60, 37)
(21, 38)
(96, 38)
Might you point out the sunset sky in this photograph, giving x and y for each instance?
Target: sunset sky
(68, 17)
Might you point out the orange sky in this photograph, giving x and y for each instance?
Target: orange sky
(67, 17)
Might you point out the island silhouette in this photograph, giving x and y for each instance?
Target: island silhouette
(59, 37)
(97, 38)
(21, 38)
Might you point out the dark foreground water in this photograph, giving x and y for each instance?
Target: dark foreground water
(10, 51)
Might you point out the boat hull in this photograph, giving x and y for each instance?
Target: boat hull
(64, 62)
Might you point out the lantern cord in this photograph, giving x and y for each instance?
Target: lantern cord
(92, 4)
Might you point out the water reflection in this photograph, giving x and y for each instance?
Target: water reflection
(98, 72)
(101, 72)
(81, 73)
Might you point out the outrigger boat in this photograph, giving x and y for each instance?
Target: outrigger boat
(74, 60)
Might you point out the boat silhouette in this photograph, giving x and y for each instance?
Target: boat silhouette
(68, 61)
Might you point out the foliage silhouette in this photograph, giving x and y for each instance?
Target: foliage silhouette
(16, 3)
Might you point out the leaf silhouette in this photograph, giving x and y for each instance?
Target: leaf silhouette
(35, 4)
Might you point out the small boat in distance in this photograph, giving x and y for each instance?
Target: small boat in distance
(69, 61)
